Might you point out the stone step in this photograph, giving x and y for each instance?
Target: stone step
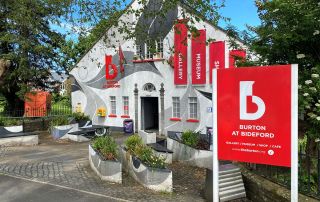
(229, 175)
(224, 172)
(230, 179)
(230, 183)
(232, 197)
(233, 191)
(231, 187)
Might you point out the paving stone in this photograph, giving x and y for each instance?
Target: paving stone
(67, 164)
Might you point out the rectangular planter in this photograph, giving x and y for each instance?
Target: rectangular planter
(167, 156)
(10, 129)
(58, 132)
(191, 156)
(107, 170)
(151, 178)
(148, 138)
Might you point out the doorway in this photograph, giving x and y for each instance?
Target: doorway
(149, 113)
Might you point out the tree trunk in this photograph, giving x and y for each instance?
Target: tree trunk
(15, 106)
(4, 65)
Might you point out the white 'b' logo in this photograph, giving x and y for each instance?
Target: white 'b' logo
(246, 91)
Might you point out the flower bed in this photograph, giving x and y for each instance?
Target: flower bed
(152, 178)
(108, 170)
(144, 166)
(188, 154)
(103, 159)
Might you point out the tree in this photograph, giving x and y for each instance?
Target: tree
(28, 42)
(33, 48)
(290, 34)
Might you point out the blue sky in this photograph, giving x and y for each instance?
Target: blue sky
(241, 12)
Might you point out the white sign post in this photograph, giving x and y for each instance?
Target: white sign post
(215, 167)
(294, 133)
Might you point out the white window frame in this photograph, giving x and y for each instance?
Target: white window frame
(193, 108)
(113, 104)
(149, 54)
(125, 101)
(176, 107)
(159, 47)
(139, 51)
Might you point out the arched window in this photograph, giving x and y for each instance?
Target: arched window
(149, 87)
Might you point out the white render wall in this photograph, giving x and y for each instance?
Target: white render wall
(94, 60)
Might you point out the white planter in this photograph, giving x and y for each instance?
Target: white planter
(60, 132)
(11, 129)
(107, 170)
(191, 156)
(167, 156)
(151, 178)
(148, 138)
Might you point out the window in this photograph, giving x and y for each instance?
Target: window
(159, 51)
(176, 107)
(149, 49)
(153, 48)
(149, 87)
(138, 51)
(125, 105)
(193, 108)
(113, 104)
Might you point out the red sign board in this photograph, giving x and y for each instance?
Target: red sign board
(217, 56)
(254, 114)
(180, 54)
(199, 58)
(233, 55)
(110, 75)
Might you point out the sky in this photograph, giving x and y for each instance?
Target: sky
(241, 12)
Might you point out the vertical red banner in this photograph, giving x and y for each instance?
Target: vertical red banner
(199, 58)
(180, 54)
(217, 56)
(233, 55)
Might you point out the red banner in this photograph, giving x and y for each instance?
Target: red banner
(217, 56)
(236, 54)
(254, 117)
(180, 54)
(199, 58)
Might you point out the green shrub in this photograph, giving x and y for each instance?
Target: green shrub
(190, 138)
(145, 153)
(59, 121)
(106, 146)
(80, 117)
(147, 156)
(132, 142)
(10, 122)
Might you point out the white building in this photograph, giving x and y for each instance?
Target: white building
(150, 91)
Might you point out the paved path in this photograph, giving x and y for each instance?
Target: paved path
(62, 171)
(17, 190)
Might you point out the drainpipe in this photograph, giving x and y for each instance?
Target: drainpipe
(136, 105)
(162, 109)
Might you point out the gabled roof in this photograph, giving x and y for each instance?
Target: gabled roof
(182, 3)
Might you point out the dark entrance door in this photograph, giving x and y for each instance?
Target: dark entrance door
(149, 113)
